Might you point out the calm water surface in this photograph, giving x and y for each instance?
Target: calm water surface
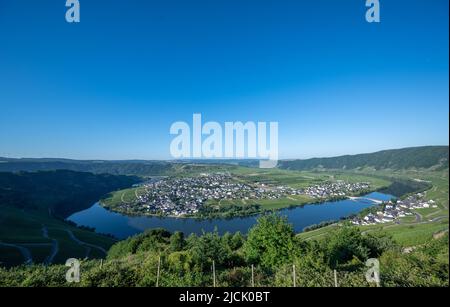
(123, 226)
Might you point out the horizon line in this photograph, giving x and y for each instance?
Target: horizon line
(212, 159)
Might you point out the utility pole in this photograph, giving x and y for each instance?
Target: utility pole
(253, 277)
(335, 278)
(294, 277)
(214, 274)
(157, 274)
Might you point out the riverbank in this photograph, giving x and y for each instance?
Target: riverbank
(123, 226)
(226, 209)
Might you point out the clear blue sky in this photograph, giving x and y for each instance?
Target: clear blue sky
(111, 86)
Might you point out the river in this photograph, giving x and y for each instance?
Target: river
(123, 226)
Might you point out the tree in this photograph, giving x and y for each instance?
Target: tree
(270, 242)
(237, 241)
(207, 248)
(177, 242)
(345, 244)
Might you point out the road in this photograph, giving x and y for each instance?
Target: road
(121, 197)
(85, 244)
(438, 218)
(55, 246)
(26, 253)
(418, 217)
(135, 193)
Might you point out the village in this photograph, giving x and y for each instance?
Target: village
(338, 189)
(185, 196)
(395, 209)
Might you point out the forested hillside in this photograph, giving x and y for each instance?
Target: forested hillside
(62, 192)
(406, 158)
(132, 167)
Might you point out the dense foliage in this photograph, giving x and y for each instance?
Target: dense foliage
(271, 249)
(61, 192)
(228, 211)
(401, 187)
(138, 168)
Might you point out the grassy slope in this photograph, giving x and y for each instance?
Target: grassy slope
(22, 219)
(26, 230)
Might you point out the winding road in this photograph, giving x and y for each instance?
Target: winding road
(418, 217)
(55, 246)
(88, 246)
(27, 255)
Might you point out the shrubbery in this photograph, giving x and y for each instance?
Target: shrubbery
(271, 247)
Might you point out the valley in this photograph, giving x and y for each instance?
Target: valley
(37, 208)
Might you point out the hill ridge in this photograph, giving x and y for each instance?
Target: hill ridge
(403, 158)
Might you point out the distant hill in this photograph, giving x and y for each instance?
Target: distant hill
(413, 157)
(63, 192)
(405, 158)
(126, 167)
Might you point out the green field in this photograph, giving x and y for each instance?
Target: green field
(266, 204)
(122, 196)
(410, 234)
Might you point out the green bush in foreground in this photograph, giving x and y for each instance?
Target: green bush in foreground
(271, 251)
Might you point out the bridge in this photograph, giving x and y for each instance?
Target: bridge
(376, 201)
